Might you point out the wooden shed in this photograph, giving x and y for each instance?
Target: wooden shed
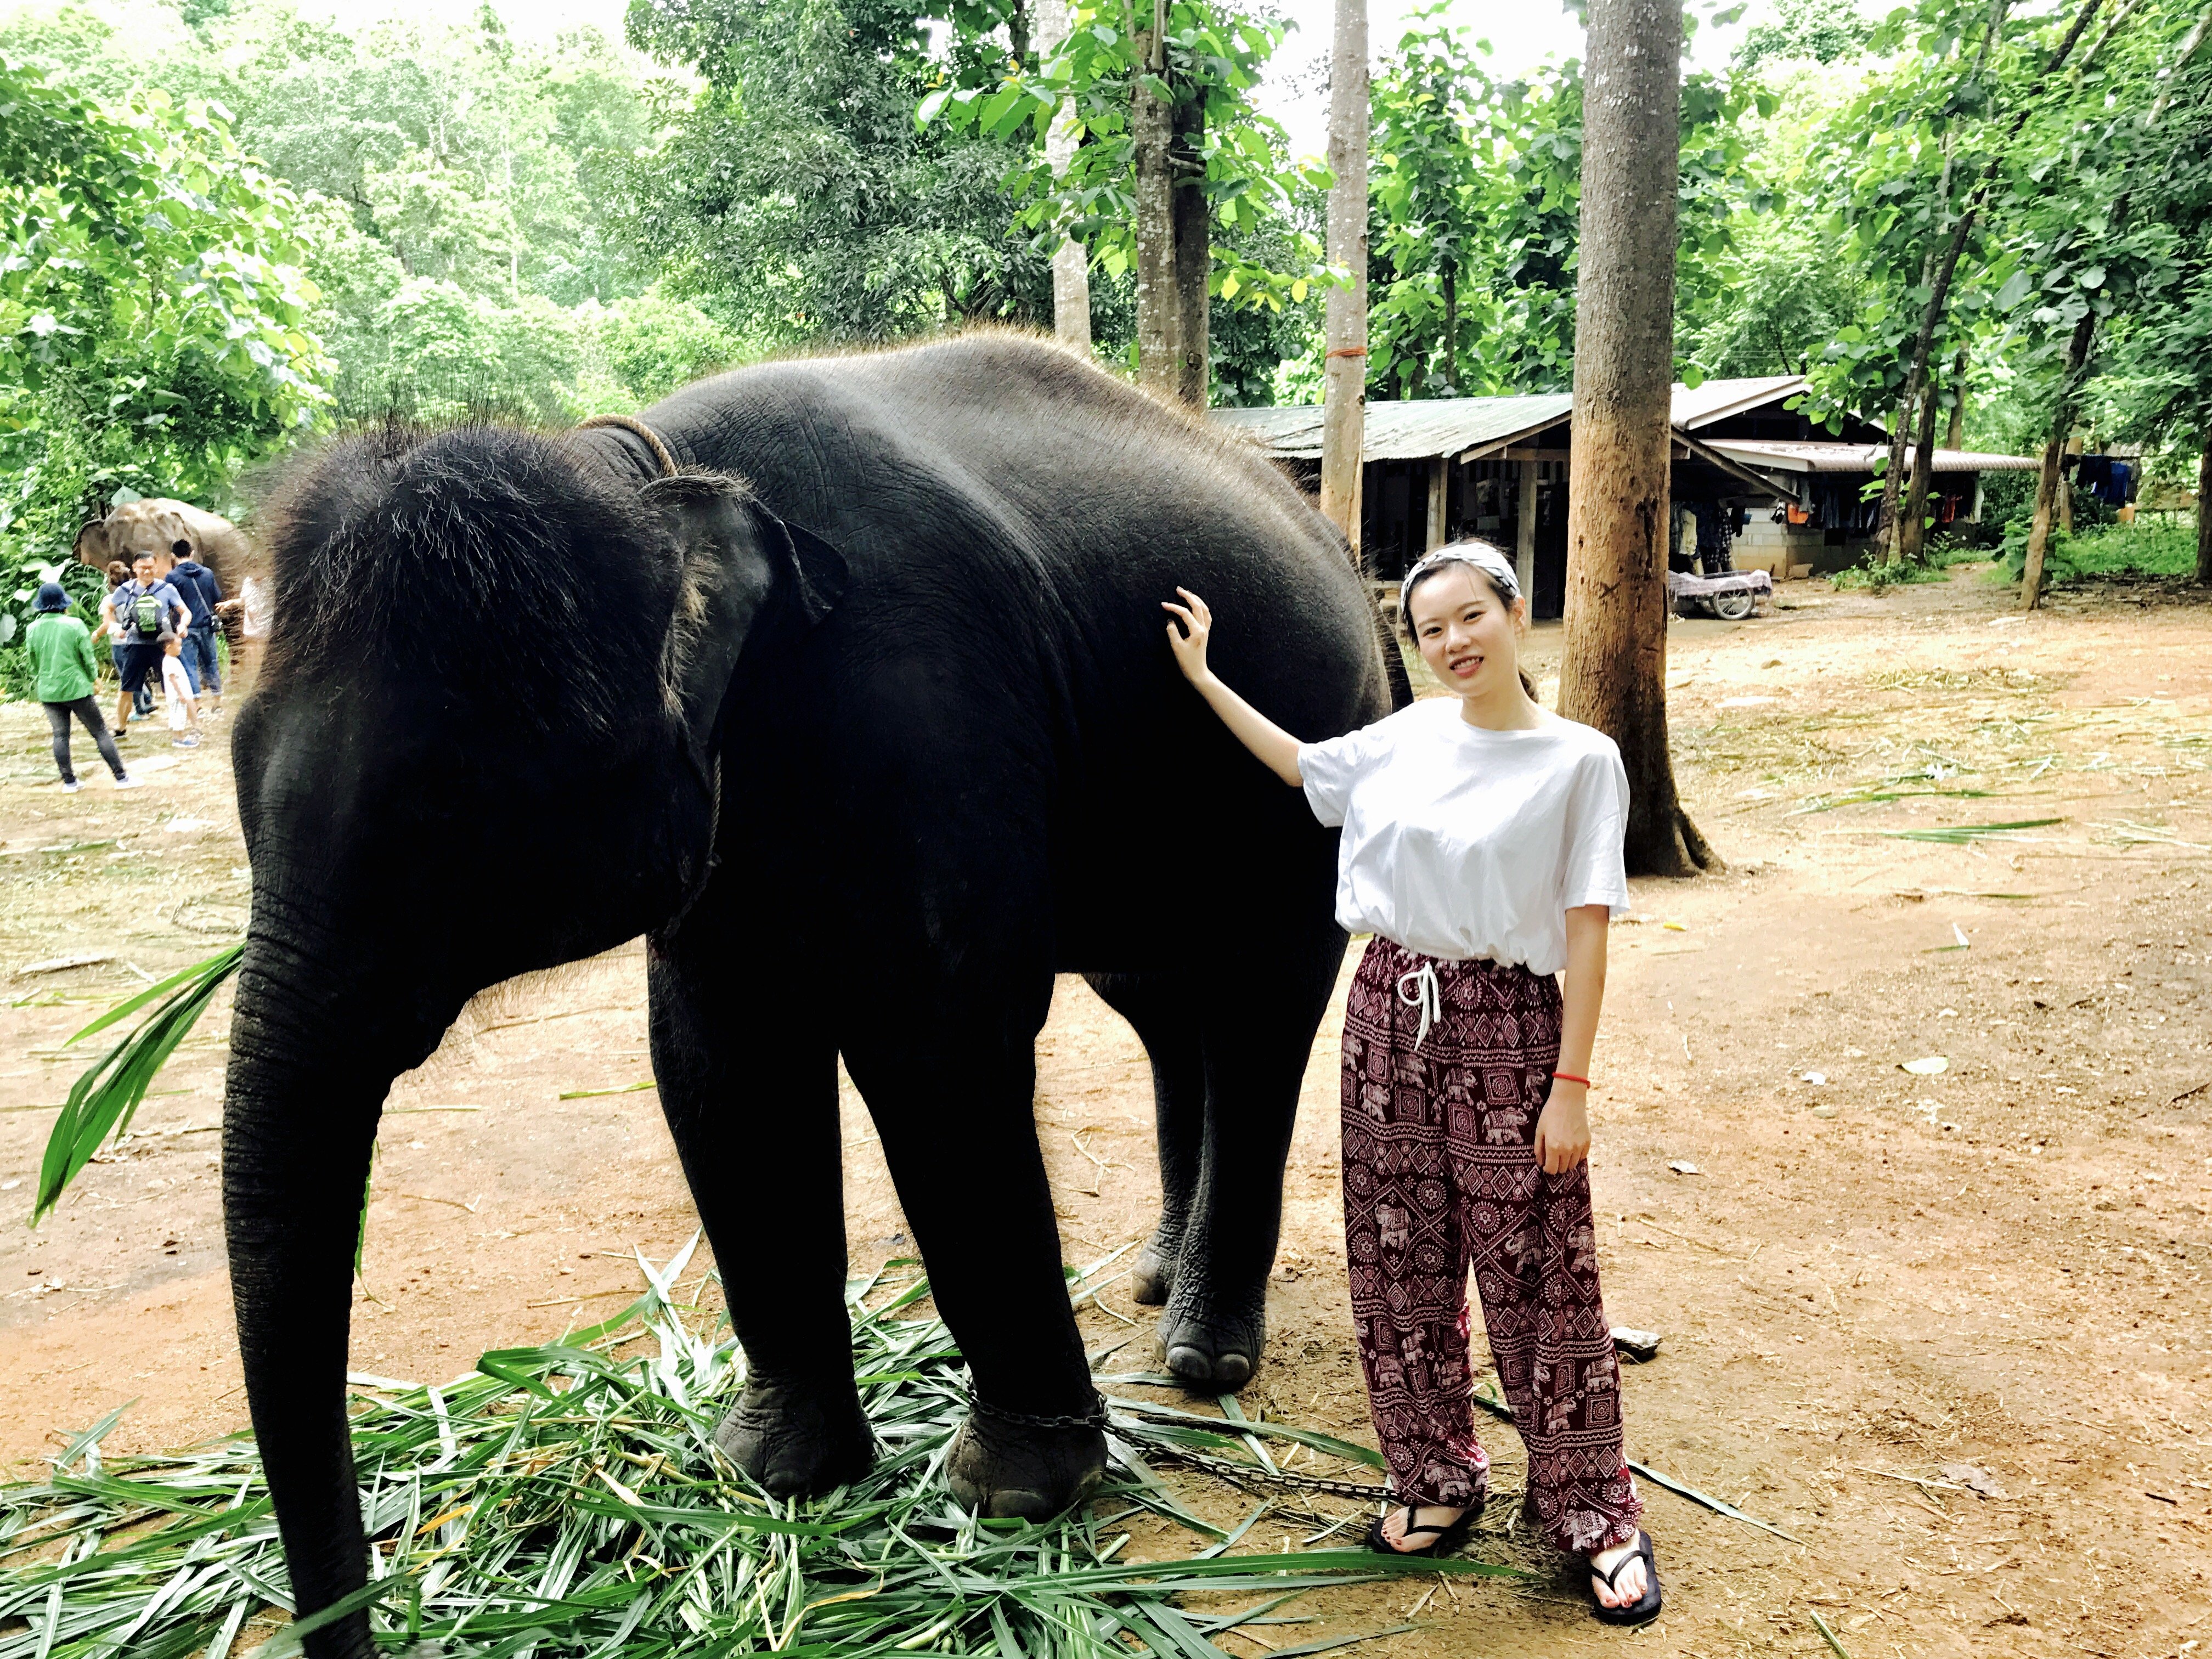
(1754, 483)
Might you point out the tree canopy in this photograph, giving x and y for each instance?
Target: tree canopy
(232, 225)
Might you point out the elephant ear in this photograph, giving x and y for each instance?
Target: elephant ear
(92, 545)
(819, 570)
(732, 554)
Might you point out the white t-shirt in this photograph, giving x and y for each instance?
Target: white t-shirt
(179, 688)
(1460, 842)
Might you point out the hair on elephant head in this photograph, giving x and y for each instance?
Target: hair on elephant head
(497, 664)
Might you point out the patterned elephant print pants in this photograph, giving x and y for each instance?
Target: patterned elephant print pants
(1440, 1175)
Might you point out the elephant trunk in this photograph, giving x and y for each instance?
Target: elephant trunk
(300, 1115)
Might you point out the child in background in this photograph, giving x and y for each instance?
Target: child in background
(184, 709)
(60, 649)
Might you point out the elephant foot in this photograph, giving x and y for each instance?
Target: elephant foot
(1007, 1465)
(1152, 1279)
(797, 1439)
(1213, 1352)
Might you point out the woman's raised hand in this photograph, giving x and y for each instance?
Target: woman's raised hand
(1188, 640)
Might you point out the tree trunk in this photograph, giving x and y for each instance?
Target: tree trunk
(2052, 477)
(1344, 334)
(2205, 512)
(1892, 510)
(2066, 484)
(1451, 329)
(1956, 439)
(1612, 674)
(1912, 529)
(1159, 368)
(1194, 242)
(1070, 268)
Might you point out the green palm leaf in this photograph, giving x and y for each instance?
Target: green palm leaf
(103, 1101)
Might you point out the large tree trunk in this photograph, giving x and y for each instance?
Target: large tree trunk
(1613, 673)
(1070, 268)
(2205, 512)
(1912, 529)
(2052, 477)
(1194, 242)
(1344, 334)
(1159, 367)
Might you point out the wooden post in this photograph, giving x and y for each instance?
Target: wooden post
(1439, 497)
(2066, 486)
(1344, 333)
(1524, 541)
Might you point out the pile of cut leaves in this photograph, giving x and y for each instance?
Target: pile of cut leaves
(569, 1500)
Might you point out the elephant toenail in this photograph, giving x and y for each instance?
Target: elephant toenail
(1194, 1363)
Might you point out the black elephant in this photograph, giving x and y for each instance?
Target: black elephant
(845, 682)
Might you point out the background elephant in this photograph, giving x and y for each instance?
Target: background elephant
(871, 744)
(161, 525)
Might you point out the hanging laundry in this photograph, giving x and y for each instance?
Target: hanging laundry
(1716, 530)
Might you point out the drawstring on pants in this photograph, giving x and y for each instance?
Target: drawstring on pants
(1426, 996)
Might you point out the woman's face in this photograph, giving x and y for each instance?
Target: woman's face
(1467, 635)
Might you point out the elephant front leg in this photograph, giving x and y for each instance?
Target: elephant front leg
(747, 1080)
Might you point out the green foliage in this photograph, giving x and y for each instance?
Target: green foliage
(569, 1500)
(2163, 547)
(1479, 182)
(797, 197)
(105, 1098)
(1822, 31)
(1266, 253)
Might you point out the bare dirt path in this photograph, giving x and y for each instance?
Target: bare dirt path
(1994, 1270)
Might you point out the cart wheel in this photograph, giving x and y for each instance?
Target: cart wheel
(1732, 607)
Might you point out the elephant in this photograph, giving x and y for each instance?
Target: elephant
(167, 527)
(845, 682)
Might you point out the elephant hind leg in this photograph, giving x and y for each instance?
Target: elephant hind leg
(1163, 1010)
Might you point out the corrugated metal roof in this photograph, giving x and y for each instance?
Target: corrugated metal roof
(1451, 426)
(1402, 431)
(1716, 400)
(1813, 457)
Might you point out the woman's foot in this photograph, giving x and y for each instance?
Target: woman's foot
(1623, 1581)
(1418, 1529)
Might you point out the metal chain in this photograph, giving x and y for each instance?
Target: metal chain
(1093, 1419)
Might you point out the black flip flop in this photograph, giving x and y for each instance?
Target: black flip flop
(1444, 1540)
(1639, 1613)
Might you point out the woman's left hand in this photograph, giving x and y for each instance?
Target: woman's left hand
(1563, 1135)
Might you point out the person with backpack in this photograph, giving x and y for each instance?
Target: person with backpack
(118, 573)
(203, 592)
(145, 613)
(60, 649)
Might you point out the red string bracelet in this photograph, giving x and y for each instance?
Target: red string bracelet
(1569, 1077)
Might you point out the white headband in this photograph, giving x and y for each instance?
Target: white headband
(1481, 555)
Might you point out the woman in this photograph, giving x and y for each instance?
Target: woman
(60, 646)
(1482, 848)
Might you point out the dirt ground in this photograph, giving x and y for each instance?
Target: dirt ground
(1947, 1330)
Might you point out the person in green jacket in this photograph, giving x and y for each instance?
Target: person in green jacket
(61, 661)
